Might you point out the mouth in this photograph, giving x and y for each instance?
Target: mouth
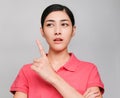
(58, 40)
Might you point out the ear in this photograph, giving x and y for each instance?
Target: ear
(74, 30)
(41, 31)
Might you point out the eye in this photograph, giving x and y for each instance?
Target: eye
(49, 25)
(65, 24)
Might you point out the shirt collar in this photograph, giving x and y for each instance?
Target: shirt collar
(72, 63)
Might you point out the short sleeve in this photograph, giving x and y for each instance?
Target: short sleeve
(95, 79)
(20, 83)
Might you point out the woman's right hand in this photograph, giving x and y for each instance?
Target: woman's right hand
(42, 65)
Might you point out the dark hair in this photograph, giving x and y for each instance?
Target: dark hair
(57, 7)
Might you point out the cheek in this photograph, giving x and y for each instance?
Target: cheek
(67, 38)
(47, 33)
(68, 33)
(48, 37)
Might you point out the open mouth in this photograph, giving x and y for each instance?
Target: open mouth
(58, 39)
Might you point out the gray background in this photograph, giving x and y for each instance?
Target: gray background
(97, 38)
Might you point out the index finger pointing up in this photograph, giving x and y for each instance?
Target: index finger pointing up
(42, 52)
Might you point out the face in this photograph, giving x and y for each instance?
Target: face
(58, 30)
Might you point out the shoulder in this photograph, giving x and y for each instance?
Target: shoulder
(81, 64)
(26, 68)
(26, 71)
(87, 64)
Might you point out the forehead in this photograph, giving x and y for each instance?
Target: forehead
(57, 15)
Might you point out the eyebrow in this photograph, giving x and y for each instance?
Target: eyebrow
(54, 20)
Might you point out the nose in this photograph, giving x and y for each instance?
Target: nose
(57, 30)
(57, 33)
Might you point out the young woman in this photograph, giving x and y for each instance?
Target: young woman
(57, 74)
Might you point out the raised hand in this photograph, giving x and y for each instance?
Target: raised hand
(42, 65)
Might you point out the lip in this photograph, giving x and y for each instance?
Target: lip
(58, 40)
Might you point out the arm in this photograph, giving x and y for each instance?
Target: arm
(64, 88)
(20, 95)
(68, 91)
(43, 67)
(45, 70)
(93, 92)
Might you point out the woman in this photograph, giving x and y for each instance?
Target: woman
(57, 74)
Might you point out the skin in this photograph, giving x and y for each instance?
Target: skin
(57, 26)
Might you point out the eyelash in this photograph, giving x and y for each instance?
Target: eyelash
(49, 25)
(63, 24)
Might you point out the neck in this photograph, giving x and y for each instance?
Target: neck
(58, 59)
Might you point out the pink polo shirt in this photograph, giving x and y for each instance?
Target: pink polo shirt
(79, 74)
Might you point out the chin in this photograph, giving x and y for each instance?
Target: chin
(59, 49)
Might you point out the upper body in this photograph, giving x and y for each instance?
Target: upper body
(57, 74)
(80, 75)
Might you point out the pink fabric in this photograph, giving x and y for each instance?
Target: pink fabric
(79, 74)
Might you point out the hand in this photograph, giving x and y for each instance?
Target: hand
(93, 92)
(42, 65)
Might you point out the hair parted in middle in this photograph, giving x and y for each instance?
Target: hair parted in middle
(57, 7)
